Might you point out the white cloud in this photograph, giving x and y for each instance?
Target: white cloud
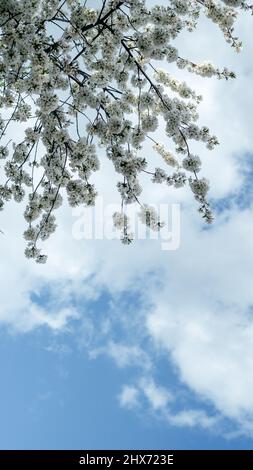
(192, 418)
(161, 401)
(158, 396)
(128, 397)
(124, 355)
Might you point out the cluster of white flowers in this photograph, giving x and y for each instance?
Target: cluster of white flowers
(86, 77)
(121, 222)
(178, 87)
(150, 218)
(224, 16)
(192, 163)
(205, 69)
(167, 156)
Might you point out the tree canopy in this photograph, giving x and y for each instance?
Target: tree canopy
(84, 77)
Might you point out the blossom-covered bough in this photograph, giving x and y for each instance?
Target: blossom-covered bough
(87, 77)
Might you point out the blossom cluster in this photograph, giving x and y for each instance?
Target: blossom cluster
(82, 78)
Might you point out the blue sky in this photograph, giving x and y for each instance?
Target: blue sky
(108, 346)
(63, 400)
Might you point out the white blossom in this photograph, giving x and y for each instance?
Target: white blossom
(150, 218)
(84, 77)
